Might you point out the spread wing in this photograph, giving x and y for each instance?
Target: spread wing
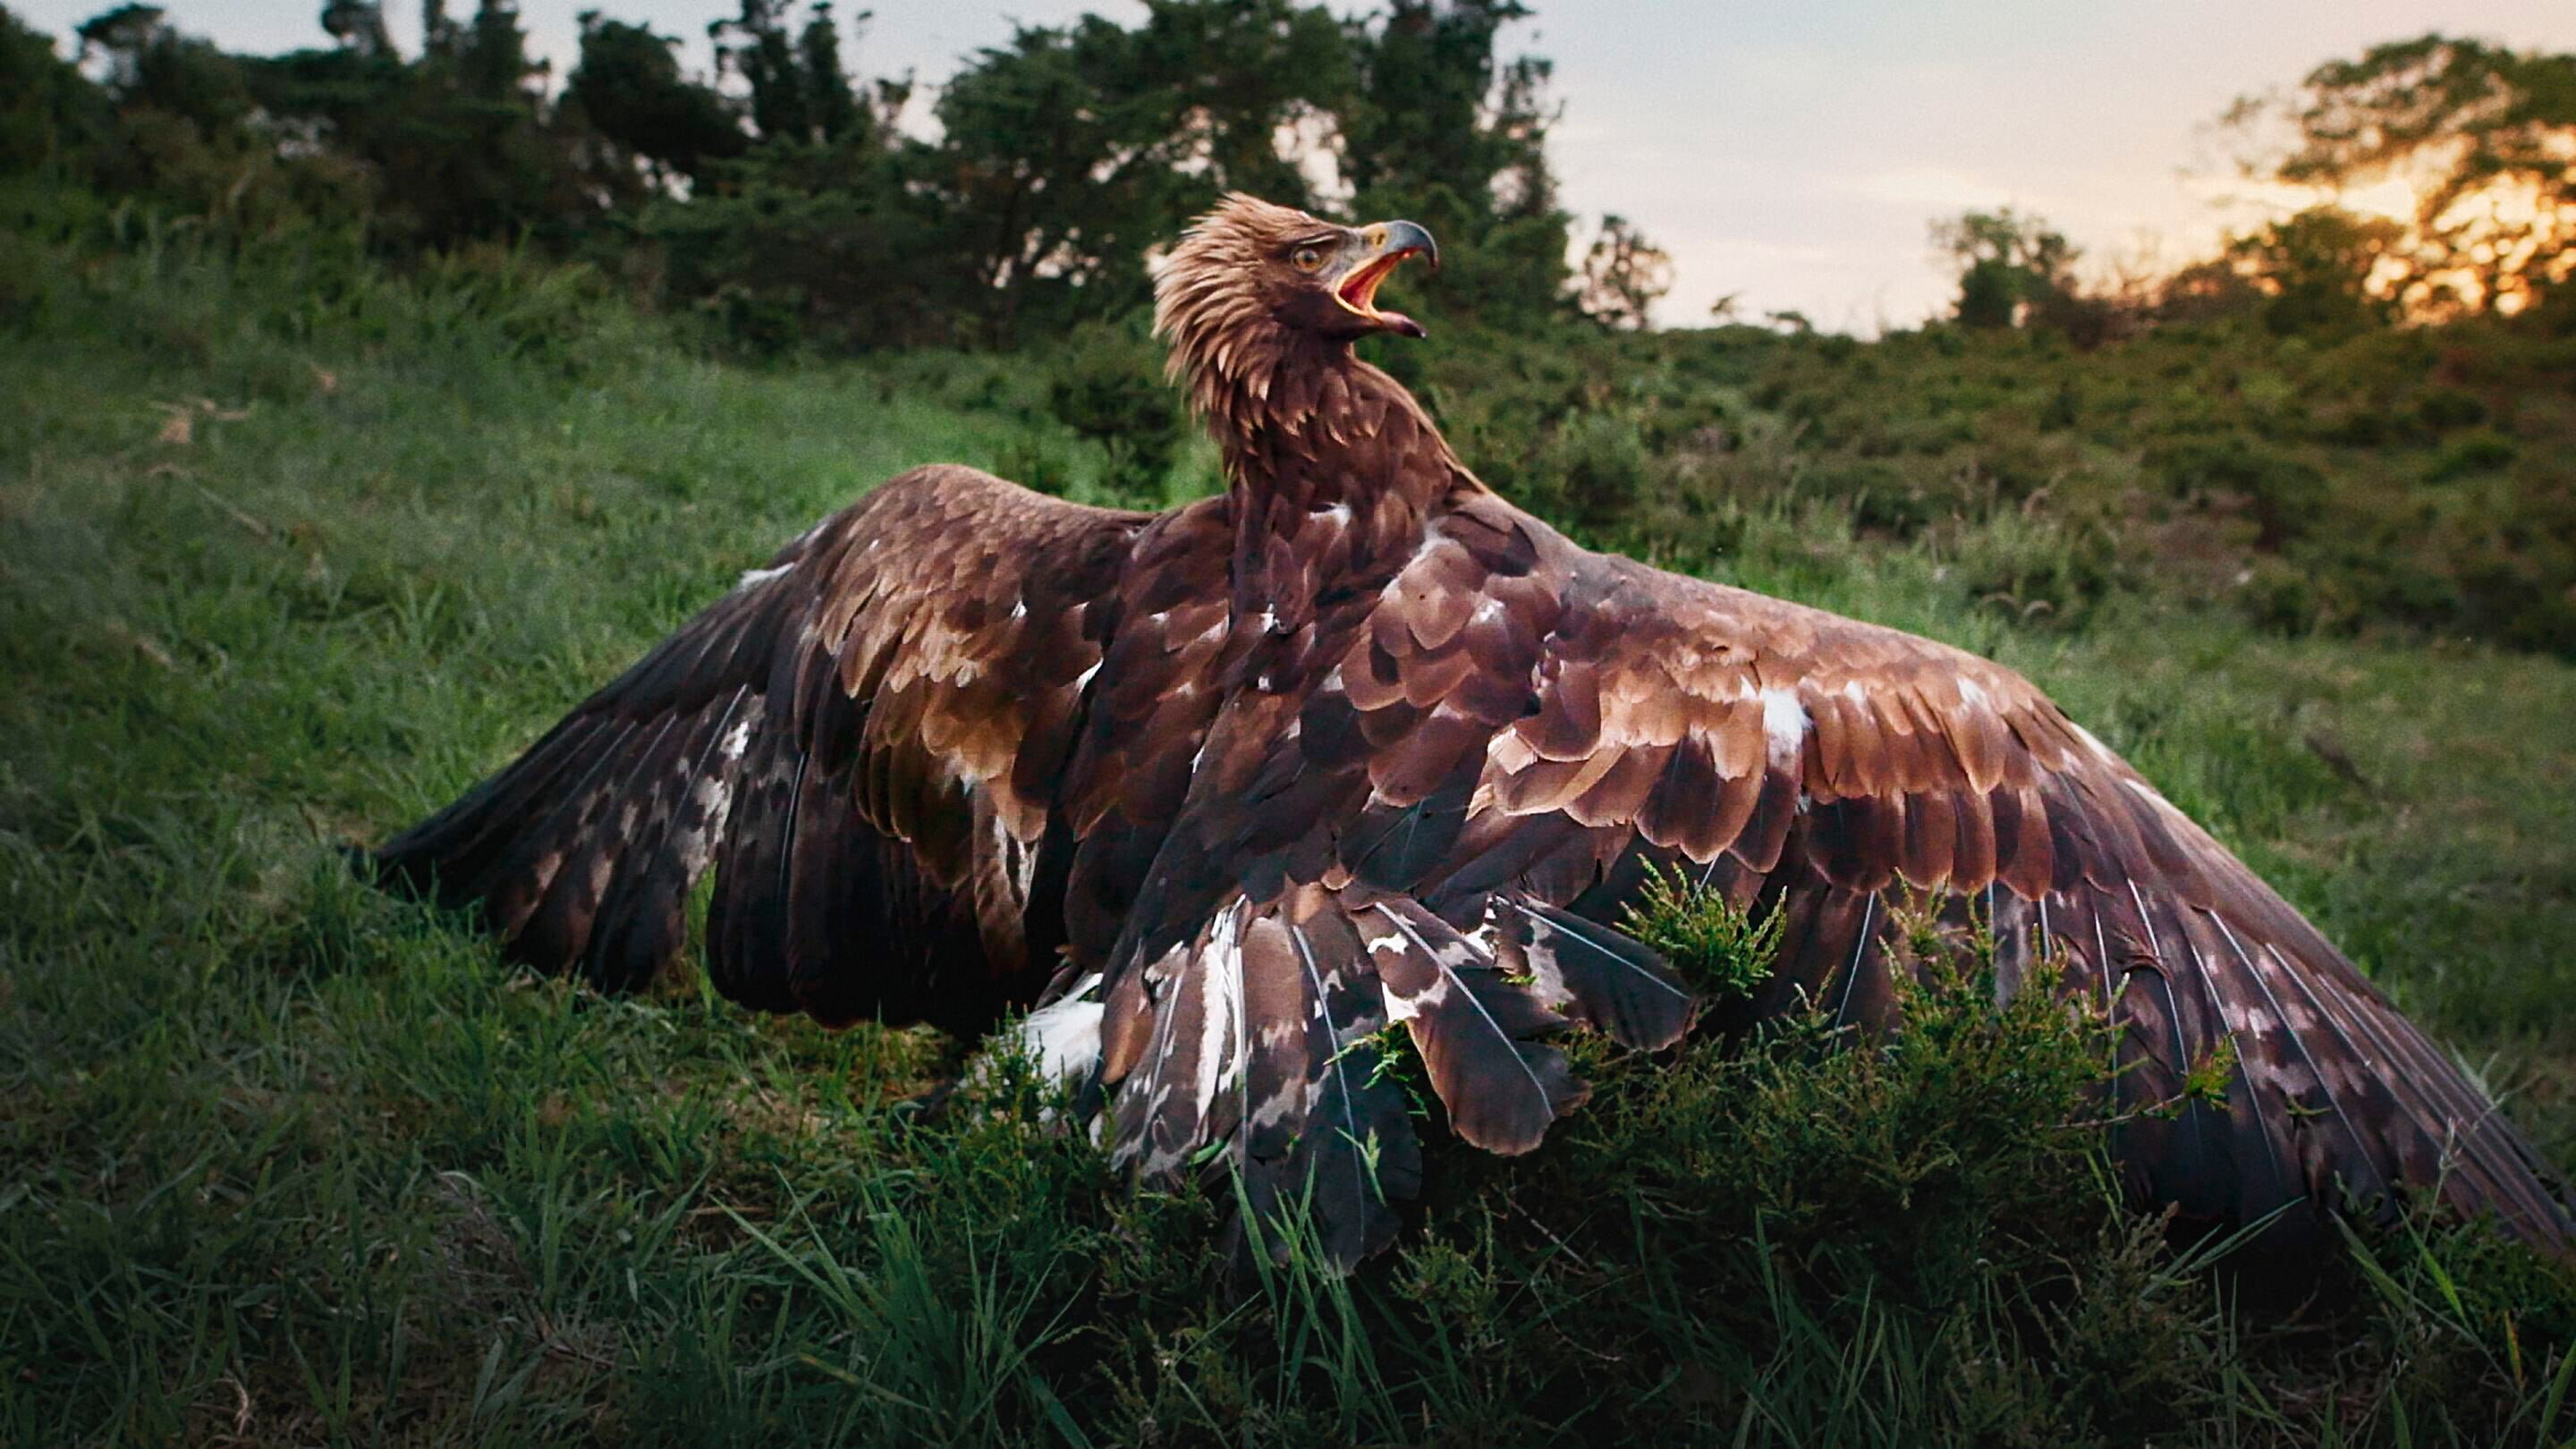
(864, 738)
(1507, 730)
(1843, 773)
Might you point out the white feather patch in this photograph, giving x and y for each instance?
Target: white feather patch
(736, 739)
(1785, 721)
(1222, 968)
(2099, 749)
(1064, 1038)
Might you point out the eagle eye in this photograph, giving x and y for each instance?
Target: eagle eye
(1307, 258)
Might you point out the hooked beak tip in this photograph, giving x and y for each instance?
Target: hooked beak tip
(1409, 239)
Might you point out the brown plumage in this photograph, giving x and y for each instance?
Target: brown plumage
(1360, 745)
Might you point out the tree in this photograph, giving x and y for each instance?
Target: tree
(2011, 266)
(438, 34)
(357, 25)
(1435, 108)
(492, 64)
(755, 46)
(799, 89)
(830, 100)
(2204, 291)
(2484, 136)
(628, 86)
(1442, 129)
(820, 232)
(1237, 76)
(186, 133)
(1048, 173)
(1067, 153)
(50, 115)
(1624, 275)
(2317, 270)
(454, 146)
(796, 208)
(793, 244)
(151, 66)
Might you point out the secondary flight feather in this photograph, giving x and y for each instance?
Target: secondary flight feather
(1358, 747)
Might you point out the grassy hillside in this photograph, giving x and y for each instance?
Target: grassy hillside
(2375, 480)
(290, 553)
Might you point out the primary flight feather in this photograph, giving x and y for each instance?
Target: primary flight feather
(1360, 745)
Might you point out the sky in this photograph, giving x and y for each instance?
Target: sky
(1793, 154)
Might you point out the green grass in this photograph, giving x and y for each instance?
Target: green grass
(285, 1161)
(2408, 480)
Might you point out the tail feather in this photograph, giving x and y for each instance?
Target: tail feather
(1594, 974)
(1260, 1036)
(1352, 1150)
(1475, 1028)
(1186, 1093)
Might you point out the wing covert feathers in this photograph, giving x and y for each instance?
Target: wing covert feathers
(1834, 771)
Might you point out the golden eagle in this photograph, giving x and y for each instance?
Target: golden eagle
(1229, 791)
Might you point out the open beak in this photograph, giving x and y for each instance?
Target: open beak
(1383, 247)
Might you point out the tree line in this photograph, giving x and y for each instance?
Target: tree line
(786, 199)
(783, 194)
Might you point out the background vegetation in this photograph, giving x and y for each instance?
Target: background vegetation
(365, 408)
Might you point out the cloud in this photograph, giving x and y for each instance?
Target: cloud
(1927, 186)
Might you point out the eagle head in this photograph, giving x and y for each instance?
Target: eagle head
(1250, 279)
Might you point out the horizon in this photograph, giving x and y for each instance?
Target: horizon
(1794, 159)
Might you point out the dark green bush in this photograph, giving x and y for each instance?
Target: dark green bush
(2445, 408)
(1593, 473)
(2483, 451)
(2047, 573)
(2284, 494)
(1109, 389)
(1885, 496)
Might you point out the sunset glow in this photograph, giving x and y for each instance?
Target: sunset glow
(1792, 155)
